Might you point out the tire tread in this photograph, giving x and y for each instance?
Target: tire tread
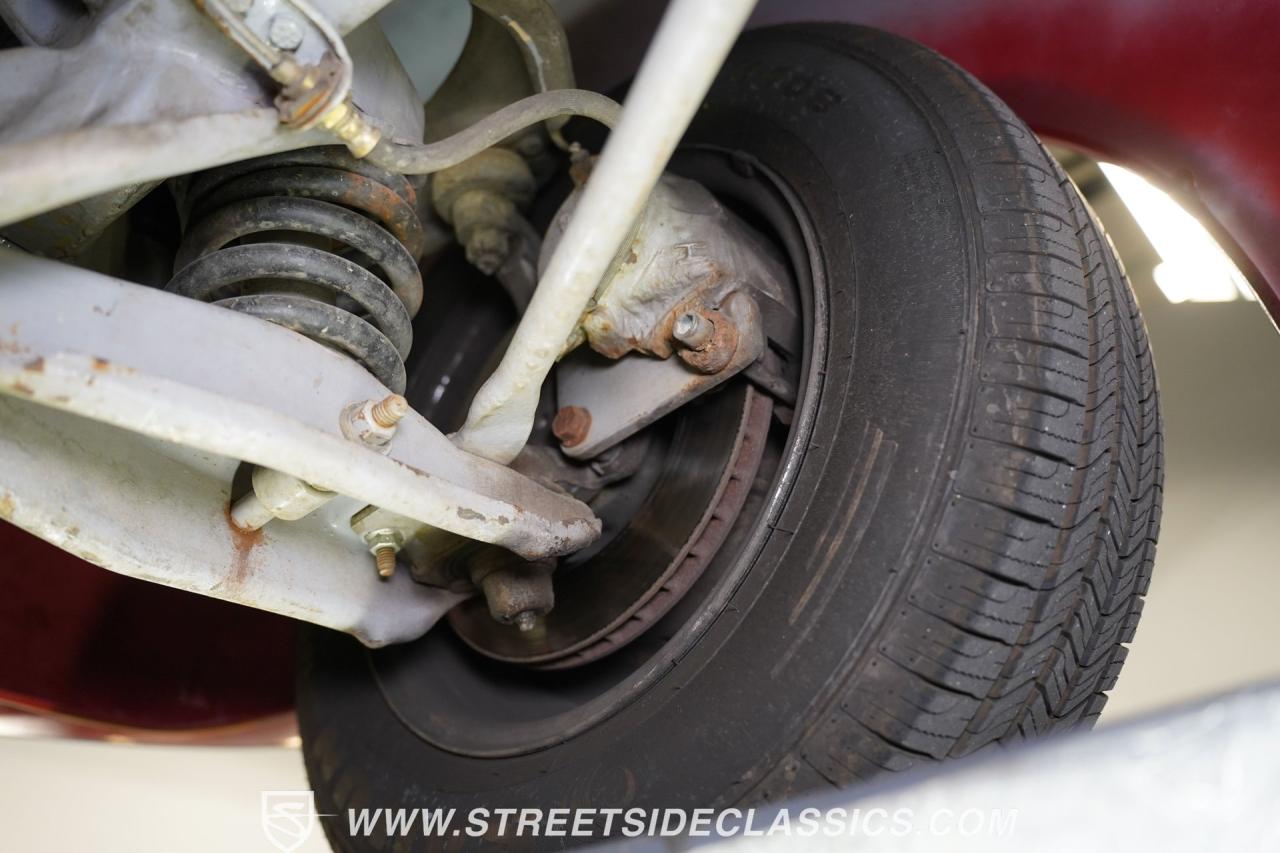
(1015, 619)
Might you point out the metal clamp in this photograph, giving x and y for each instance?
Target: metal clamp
(304, 53)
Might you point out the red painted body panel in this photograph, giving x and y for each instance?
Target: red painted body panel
(1184, 91)
(82, 642)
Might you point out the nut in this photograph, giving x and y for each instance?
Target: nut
(285, 32)
(693, 330)
(384, 544)
(580, 165)
(349, 124)
(479, 197)
(716, 350)
(516, 592)
(374, 422)
(488, 248)
(571, 425)
(530, 146)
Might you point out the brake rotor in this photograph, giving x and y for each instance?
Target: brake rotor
(619, 592)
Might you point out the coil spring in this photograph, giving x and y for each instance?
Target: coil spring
(326, 245)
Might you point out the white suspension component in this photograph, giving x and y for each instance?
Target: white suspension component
(686, 54)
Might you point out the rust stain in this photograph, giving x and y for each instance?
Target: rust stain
(579, 172)
(371, 196)
(36, 365)
(470, 514)
(6, 505)
(611, 348)
(384, 205)
(309, 105)
(502, 519)
(24, 389)
(244, 541)
(100, 364)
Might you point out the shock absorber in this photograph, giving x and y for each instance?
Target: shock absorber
(313, 240)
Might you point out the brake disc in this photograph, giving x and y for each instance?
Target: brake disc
(619, 592)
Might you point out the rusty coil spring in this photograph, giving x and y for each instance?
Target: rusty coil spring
(313, 240)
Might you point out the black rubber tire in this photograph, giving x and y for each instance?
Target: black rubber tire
(971, 527)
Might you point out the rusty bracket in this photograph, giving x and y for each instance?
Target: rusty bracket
(305, 54)
(679, 312)
(620, 397)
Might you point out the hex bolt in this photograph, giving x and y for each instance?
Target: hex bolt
(526, 620)
(693, 330)
(285, 32)
(385, 558)
(480, 197)
(384, 544)
(529, 146)
(571, 425)
(388, 411)
(488, 248)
